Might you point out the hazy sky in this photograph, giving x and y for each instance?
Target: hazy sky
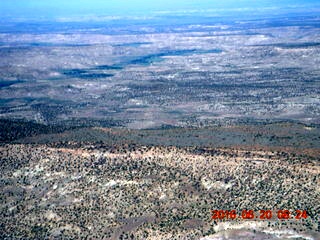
(67, 8)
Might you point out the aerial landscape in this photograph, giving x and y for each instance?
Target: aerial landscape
(182, 120)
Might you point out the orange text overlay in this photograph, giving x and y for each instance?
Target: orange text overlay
(261, 214)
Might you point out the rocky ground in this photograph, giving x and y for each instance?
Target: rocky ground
(153, 192)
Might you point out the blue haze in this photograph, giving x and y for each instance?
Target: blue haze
(50, 10)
